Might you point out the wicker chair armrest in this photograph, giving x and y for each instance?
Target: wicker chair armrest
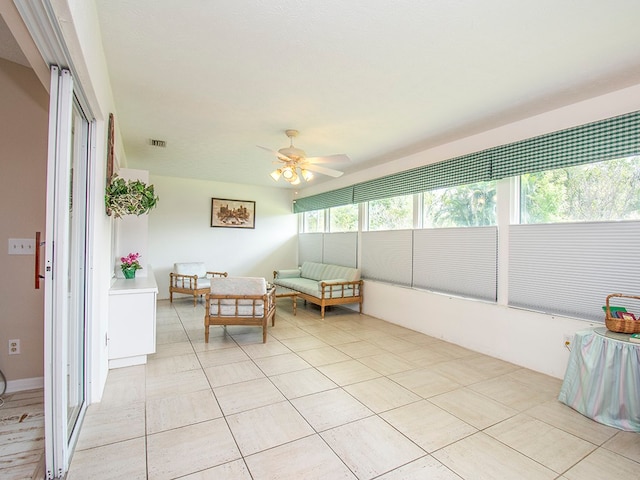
(183, 281)
(217, 274)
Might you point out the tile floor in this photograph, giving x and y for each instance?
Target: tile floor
(348, 397)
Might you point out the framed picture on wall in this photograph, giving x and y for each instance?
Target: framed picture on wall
(233, 213)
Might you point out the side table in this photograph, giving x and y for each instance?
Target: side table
(602, 380)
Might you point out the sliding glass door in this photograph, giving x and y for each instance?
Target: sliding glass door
(65, 273)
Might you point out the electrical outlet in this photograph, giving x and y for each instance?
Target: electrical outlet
(14, 347)
(568, 338)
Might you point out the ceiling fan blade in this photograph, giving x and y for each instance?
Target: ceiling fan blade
(277, 154)
(323, 170)
(338, 158)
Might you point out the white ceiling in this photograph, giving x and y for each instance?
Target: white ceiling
(375, 79)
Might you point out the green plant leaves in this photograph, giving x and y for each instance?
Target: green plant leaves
(131, 197)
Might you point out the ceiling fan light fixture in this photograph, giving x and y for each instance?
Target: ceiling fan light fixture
(276, 174)
(306, 174)
(295, 180)
(288, 173)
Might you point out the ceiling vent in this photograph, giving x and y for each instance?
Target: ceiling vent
(158, 143)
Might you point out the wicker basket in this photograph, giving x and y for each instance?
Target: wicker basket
(620, 325)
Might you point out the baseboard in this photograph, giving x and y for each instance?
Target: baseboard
(25, 384)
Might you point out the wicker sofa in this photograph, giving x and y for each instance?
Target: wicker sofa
(323, 284)
(239, 301)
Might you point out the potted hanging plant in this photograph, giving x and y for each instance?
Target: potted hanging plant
(129, 197)
(130, 264)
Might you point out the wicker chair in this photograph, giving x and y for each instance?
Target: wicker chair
(191, 278)
(240, 301)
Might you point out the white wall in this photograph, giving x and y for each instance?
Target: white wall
(180, 230)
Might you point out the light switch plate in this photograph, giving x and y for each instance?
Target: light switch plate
(22, 246)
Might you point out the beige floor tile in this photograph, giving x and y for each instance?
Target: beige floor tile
(424, 357)
(186, 450)
(171, 337)
(473, 408)
(222, 356)
(451, 350)
(419, 338)
(221, 375)
(387, 363)
(185, 382)
(424, 382)
(289, 362)
(554, 448)
(260, 350)
(287, 332)
(424, 468)
(302, 382)
(626, 444)
(215, 343)
(308, 458)
(124, 386)
(458, 370)
(511, 392)
(381, 394)
(329, 409)
(395, 344)
(102, 426)
(308, 342)
(360, 349)
(323, 356)
(267, 427)
(111, 462)
(181, 409)
(381, 448)
(174, 364)
(235, 470)
(346, 373)
(428, 426)
(239, 397)
(336, 337)
(539, 381)
(170, 350)
(567, 419)
(603, 464)
(480, 457)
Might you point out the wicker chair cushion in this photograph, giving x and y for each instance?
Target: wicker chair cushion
(191, 268)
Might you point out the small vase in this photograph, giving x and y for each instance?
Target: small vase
(129, 272)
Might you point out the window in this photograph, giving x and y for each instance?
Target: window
(601, 191)
(472, 205)
(313, 221)
(391, 213)
(343, 219)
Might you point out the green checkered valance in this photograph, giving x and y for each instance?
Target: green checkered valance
(457, 171)
(608, 139)
(334, 198)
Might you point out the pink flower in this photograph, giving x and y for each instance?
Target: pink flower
(131, 261)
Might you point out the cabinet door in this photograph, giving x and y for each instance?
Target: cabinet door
(132, 325)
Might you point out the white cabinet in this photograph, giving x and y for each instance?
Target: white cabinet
(132, 320)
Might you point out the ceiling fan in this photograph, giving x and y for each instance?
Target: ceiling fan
(295, 163)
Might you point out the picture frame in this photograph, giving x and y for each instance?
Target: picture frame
(227, 213)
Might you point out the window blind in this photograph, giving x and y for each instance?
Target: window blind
(387, 256)
(459, 261)
(310, 247)
(340, 248)
(570, 268)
